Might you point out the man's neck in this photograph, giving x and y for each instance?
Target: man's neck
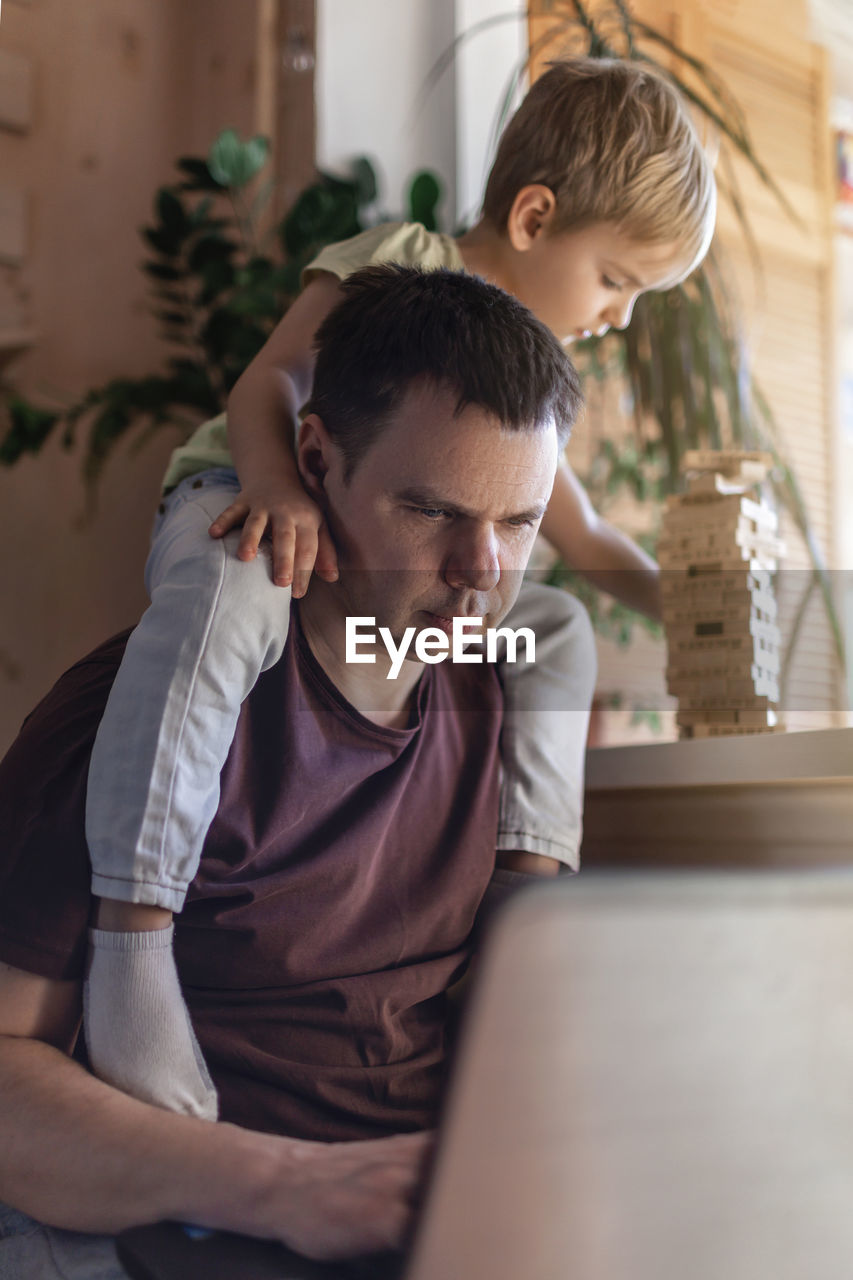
(364, 685)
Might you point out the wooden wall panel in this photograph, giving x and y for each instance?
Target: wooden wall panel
(122, 87)
(13, 224)
(16, 91)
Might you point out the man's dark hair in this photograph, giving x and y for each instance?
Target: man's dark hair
(397, 326)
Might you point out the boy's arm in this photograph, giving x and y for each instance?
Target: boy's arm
(593, 547)
(263, 409)
(78, 1154)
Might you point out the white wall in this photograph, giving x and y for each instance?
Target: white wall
(487, 64)
(374, 60)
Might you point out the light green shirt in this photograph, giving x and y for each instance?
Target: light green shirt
(405, 242)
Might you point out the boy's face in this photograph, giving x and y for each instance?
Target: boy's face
(585, 282)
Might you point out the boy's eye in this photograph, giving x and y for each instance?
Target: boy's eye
(610, 284)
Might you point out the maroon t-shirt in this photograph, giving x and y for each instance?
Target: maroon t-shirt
(336, 894)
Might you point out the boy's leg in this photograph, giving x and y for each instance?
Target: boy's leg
(213, 625)
(139, 1037)
(543, 745)
(546, 717)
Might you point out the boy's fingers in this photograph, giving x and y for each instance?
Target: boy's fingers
(283, 542)
(304, 558)
(253, 531)
(327, 559)
(229, 519)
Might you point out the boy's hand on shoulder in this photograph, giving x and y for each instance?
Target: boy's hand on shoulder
(301, 543)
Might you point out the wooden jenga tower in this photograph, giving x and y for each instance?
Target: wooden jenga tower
(717, 552)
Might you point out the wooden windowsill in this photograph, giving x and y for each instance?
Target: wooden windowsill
(774, 800)
(756, 758)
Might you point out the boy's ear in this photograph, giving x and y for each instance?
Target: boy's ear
(531, 215)
(313, 456)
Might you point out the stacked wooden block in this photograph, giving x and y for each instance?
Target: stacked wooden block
(717, 553)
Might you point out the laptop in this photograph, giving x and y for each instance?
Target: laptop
(655, 1081)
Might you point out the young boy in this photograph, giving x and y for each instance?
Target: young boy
(600, 191)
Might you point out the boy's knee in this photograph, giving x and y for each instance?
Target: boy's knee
(565, 641)
(572, 628)
(557, 617)
(570, 614)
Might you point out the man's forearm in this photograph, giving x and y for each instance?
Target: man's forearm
(78, 1154)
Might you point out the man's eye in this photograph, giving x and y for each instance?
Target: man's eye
(520, 522)
(431, 513)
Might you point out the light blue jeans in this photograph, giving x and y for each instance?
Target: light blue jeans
(213, 625)
(31, 1251)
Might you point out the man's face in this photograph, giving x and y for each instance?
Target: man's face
(439, 516)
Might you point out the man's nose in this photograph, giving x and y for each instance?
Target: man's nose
(473, 562)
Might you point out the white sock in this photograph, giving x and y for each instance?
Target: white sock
(138, 1031)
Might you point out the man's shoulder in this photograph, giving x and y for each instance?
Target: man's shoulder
(44, 861)
(79, 694)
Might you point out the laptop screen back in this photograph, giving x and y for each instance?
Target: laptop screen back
(656, 1083)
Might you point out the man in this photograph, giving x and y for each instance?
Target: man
(355, 836)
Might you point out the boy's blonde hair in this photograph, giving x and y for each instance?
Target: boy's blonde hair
(614, 142)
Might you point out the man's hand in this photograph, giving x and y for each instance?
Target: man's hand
(301, 543)
(348, 1198)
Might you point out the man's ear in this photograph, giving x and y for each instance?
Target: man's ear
(313, 456)
(531, 215)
